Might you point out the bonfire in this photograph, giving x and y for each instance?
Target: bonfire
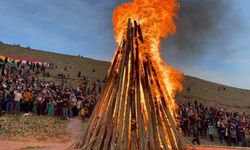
(137, 108)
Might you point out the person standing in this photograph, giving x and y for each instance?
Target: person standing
(39, 100)
(10, 103)
(50, 108)
(220, 129)
(211, 132)
(65, 109)
(227, 135)
(27, 100)
(5, 100)
(17, 99)
(70, 108)
(59, 106)
(196, 138)
(34, 107)
(233, 134)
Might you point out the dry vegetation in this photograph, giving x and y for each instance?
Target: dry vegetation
(32, 128)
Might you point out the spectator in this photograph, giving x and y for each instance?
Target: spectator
(233, 135)
(220, 129)
(27, 100)
(65, 109)
(17, 99)
(211, 132)
(70, 108)
(10, 103)
(50, 108)
(37, 105)
(196, 138)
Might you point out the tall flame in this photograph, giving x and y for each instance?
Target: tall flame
(156, 18)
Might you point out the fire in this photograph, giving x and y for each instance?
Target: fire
(156, 18)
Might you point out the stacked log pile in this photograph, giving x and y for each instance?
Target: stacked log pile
(133, 112)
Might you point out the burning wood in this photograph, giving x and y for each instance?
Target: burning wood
(134, 111)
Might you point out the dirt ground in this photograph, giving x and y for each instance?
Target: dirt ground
(74, 127)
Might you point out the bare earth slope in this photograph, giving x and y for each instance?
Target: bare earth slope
(232, 99)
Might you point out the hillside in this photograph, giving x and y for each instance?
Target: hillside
(74, 64)
(203, 91)
(218, 95)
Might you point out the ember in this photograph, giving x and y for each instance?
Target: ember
(137, 108)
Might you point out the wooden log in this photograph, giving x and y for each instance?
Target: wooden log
(168, 114)
(95, 124)
(159, 118)
(134, 127)
(117, 106)
(162, 130)
(116, 60)
(140, 33)
(121, 84)
(140, 121)
(147, 99)
(124, 101)
(135, 29)
(110, 123)
(127, 115)
(98, 121)
(116, 63)
(98, 144)
(151, 104)
(126, 136)
(149, 132)
(94, 117)
(171, 125)
(172, 137)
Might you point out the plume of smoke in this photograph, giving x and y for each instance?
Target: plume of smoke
(197, 21)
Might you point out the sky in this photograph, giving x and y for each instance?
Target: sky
(85, 27)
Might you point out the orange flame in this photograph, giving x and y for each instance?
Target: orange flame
(156, 18)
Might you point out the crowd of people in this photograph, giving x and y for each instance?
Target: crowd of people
(22, 93)
(214, 124)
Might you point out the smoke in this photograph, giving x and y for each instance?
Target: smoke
(196, 23)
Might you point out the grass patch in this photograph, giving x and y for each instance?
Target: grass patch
(40, 127)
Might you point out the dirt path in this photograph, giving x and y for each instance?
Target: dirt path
(74, 127)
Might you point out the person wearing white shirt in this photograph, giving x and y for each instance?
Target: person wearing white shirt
(17, 99)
